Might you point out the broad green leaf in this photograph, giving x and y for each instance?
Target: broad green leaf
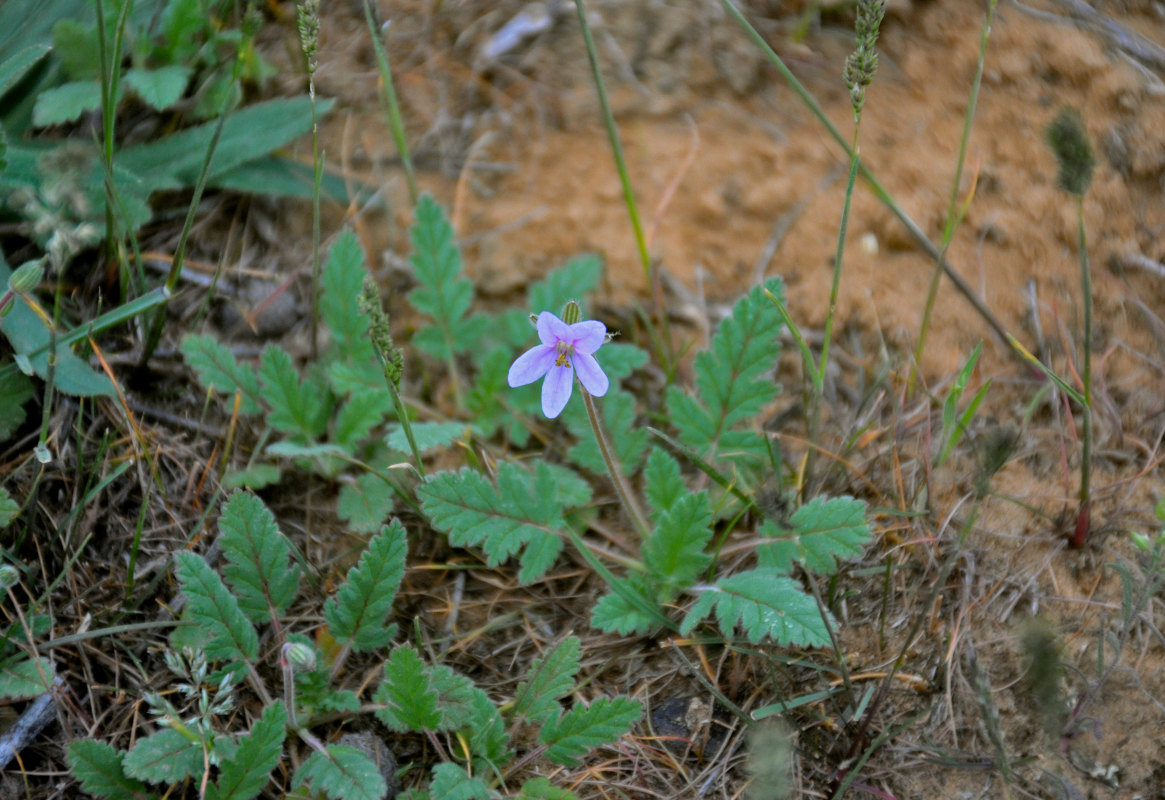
(489, 744)
(543, 789)
(522, 515)
(583, 728)
(572, 281)
(230, 635)
(733, 383)
(407, 692)
(66, 103)
(77, 46)
(28, 334)
(159, 88)
(9, 508)
(429, 435)
(27, 678)
(629, 608)
(665, 484)
(550, 678)
(674, 552)
(219, 371)
(245, 774)
(358, 611)
(343, 773)
(164, 757)
(450, 782)
(16, 66)
(765, 603)
(97, 766)
(259, 567)
(297, 407)
(365, 504)
(823, 533)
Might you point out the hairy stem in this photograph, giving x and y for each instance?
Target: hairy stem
(621, 488)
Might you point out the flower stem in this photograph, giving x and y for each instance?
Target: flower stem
(621, 488)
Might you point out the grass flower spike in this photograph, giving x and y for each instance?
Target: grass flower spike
(566, 348)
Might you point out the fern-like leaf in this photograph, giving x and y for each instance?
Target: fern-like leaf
(229, 635)
(357, 613)
(732, 382)
(551, 677)
(765, 603)
(258, 567)
(823, 533)
(451, 782)
(629, 608)
(248, 770)
(443, 294)
(164, 757)
(27, 678)
(664, 483)
(674, 552)
(522, 515)
(542, 789)
(618, 410)
(365, 504)
(219, 371)
(341, 281)
(98, 767)
(419, 698)
(572, 281)
(297, 407)
(583, 728)
(342, 773)
(489, 744)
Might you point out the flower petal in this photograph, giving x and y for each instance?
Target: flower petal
(552, 330)
(594, 380)
(556, 390)
(532, 365)
(588, 336)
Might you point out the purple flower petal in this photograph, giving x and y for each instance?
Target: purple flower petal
(594, 380)
(532, 365)
(588, 336)
(552, 330)
(556, 390)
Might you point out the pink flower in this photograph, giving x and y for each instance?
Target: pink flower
(565, 350)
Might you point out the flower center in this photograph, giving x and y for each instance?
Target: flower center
(565, 351)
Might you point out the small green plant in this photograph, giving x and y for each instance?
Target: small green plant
(215, 656)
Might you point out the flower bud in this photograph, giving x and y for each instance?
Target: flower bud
(302, 657)
(27, 277)
(571, 313)
(9, 577)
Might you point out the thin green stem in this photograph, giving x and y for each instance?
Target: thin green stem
(954, 215)
(110, 78)
(392, 103)
(621, 488)
(317, 182)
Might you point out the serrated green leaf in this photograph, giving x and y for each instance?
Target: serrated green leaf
(824, 533)
(97, 766)
(674, 552)
(408, 694)
(341, 282)
(358, 416)
(66, 103)
(629, 608)
(443, 294)
(551, 678)
(256, 476)
(357, 613)
(219, 371)
(245, 774)
(9, 508)
(26, 678)
(259, 567)
(450, 782)
(15, 391)
(20, 64)
(664, 483)
(297, 407)
(230, 635)
(618, 412)
(343, 773)
(543, 789)
(523, 514)
(366, 504)
(164, 757)
(429, 435)
(489, 744)
(732, 382)
(583, 728)
(572, 281)
(159, 88)
(76, 45)
(765, 603)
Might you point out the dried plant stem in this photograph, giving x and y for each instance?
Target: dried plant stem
(1083, 521)
(621, 488)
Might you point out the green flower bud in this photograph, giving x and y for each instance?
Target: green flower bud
(1069, 141)
(301, 657)
(27, 277)
(9, 577)
(571, 313)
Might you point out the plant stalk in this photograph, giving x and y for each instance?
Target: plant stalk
(621, 488)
